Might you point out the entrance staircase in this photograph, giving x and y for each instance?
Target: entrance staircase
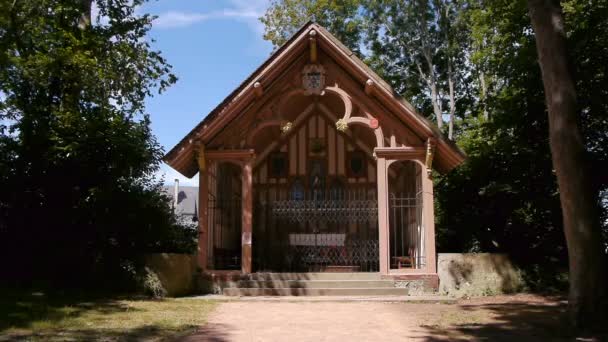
(310, 284)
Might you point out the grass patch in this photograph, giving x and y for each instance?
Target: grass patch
(36, 316)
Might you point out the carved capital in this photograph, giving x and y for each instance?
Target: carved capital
(200, 156)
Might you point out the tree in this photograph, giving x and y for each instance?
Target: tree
(588, 298)
(284, 17)
(417, 46)
(79, 196)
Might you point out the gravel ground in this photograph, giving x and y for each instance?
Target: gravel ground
(501, 318)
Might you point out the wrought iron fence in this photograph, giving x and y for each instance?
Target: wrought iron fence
(317, 232)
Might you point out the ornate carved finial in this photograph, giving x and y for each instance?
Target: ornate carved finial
(286, 127)
(341, 125)
(259, 90)
(369, 86)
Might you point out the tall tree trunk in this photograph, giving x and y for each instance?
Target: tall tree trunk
(452, 100)
(85, 18)
(432, 82)
(484, 90)
(587, 261)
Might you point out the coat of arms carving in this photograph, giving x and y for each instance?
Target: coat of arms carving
(313, 79)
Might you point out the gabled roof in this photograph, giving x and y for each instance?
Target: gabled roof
(181, 157)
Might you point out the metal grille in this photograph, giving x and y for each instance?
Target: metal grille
(225, 218)
(317, 231)
(406, 230)
(326, 210)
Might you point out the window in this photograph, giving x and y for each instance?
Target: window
(356, 164)
(277, 166)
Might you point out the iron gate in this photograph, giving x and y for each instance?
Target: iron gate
(317, 232)
(406, 232)
(225, 217)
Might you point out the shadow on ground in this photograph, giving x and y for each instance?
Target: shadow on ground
(514, 321)
(37, 316)
(22, 309)
(210, 333)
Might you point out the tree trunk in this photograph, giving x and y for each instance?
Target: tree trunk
(587, 261)
(482, 82)
(452, 100)
(85, 18)
(432, 82)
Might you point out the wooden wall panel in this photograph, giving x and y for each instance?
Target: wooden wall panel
(331, 150)
(312, 127)
(297, 146)
(293, 151)
(341, 155)
(263, 172)
(302, 151)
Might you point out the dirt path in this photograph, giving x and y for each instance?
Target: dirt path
(505, 318)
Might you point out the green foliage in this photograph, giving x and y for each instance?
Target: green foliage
(284, 17)
(79, 199)
(152, 285)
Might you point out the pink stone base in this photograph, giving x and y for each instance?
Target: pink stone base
(431, 280)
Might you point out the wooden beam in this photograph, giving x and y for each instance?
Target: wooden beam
(230, 155)
(313, 46)
(400, 153)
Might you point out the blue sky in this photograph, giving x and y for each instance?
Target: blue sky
(213, 46)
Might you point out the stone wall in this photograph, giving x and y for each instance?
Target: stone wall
(477, 274)
(175, 271)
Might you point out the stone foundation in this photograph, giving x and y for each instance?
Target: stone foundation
(477, 274)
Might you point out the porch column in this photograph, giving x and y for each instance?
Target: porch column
(428, 218)
(383, 230)
(203, 222)
(246, 226)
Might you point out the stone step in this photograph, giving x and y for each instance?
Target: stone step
(261, 276)
(310, 284)
(383, 291)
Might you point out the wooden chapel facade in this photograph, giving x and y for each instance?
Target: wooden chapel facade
(314, 165)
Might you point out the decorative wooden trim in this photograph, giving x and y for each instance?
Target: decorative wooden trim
(400, 153)
(258, 89)
(430, 153)
(230, 155)
(369, 87)
(313, 45)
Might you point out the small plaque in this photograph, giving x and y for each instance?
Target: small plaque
(313, 79)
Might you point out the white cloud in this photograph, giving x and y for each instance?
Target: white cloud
(174, 19)
(169, 175)
(247, 11)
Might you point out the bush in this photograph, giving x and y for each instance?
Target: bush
(152, 286)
